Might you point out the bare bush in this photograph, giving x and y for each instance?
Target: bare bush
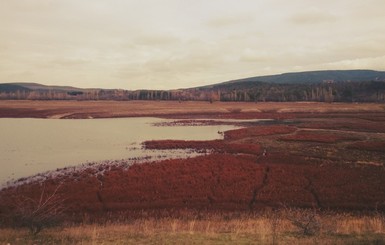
(306, 220)
(38, 214)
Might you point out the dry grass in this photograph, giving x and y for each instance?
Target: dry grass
(270, 228)
(86, 109)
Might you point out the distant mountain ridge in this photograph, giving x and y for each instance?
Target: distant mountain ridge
(313, 77)
(38, 86)
(327, 86)
(45, 92)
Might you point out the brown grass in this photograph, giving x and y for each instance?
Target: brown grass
(267, 228)
(369, 146)
(96, 109)
(319, 136)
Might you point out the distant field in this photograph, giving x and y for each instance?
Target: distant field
(106, 109)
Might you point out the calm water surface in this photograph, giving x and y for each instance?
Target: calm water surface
(31, 146)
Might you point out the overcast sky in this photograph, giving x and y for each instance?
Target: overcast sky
(167, 44)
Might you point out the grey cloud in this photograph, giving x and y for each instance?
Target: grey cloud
(155, 40)
(313, 17)
(185, 70)
(229, 21)
(68, 62)
(358, 63)
(177, 43)
(360, 48)
(255, 56)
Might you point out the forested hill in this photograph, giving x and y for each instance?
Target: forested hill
(327, 86)
(316, 77)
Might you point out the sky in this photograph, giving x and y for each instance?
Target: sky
(170, 44)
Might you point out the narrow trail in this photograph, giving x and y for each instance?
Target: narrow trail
(217, 175)
(265, 181)
(310, 188)
(98, 192)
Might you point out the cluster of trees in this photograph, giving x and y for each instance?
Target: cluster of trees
(371, 91)
(281, 93)
(48, 95)
(110, 94)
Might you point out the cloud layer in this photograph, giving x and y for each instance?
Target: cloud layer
(173, 44)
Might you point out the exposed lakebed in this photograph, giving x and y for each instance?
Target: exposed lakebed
(32, 146)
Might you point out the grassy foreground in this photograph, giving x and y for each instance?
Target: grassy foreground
(272, 228)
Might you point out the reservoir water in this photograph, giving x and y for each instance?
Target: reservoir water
(31, 146)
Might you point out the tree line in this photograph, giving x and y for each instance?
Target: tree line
(371, 91)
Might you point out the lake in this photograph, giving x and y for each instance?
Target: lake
(31, 146)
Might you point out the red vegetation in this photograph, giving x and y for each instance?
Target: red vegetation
(348, 124)
(229, 182)
(258, 131)
(216, 182)
(378, 146)
(285, 158)
(328, 186)
(204, 182)
(318, 136)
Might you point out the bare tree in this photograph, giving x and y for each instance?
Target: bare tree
(38, 214)
(306, 220)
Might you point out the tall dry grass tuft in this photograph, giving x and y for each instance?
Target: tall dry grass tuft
(348, 224)
(174, 226)
(94, 235)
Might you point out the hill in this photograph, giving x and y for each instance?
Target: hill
(314, 77)
(37, 86)
(326, 86)
(11, 87)
(44, 92)
(319, 76)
